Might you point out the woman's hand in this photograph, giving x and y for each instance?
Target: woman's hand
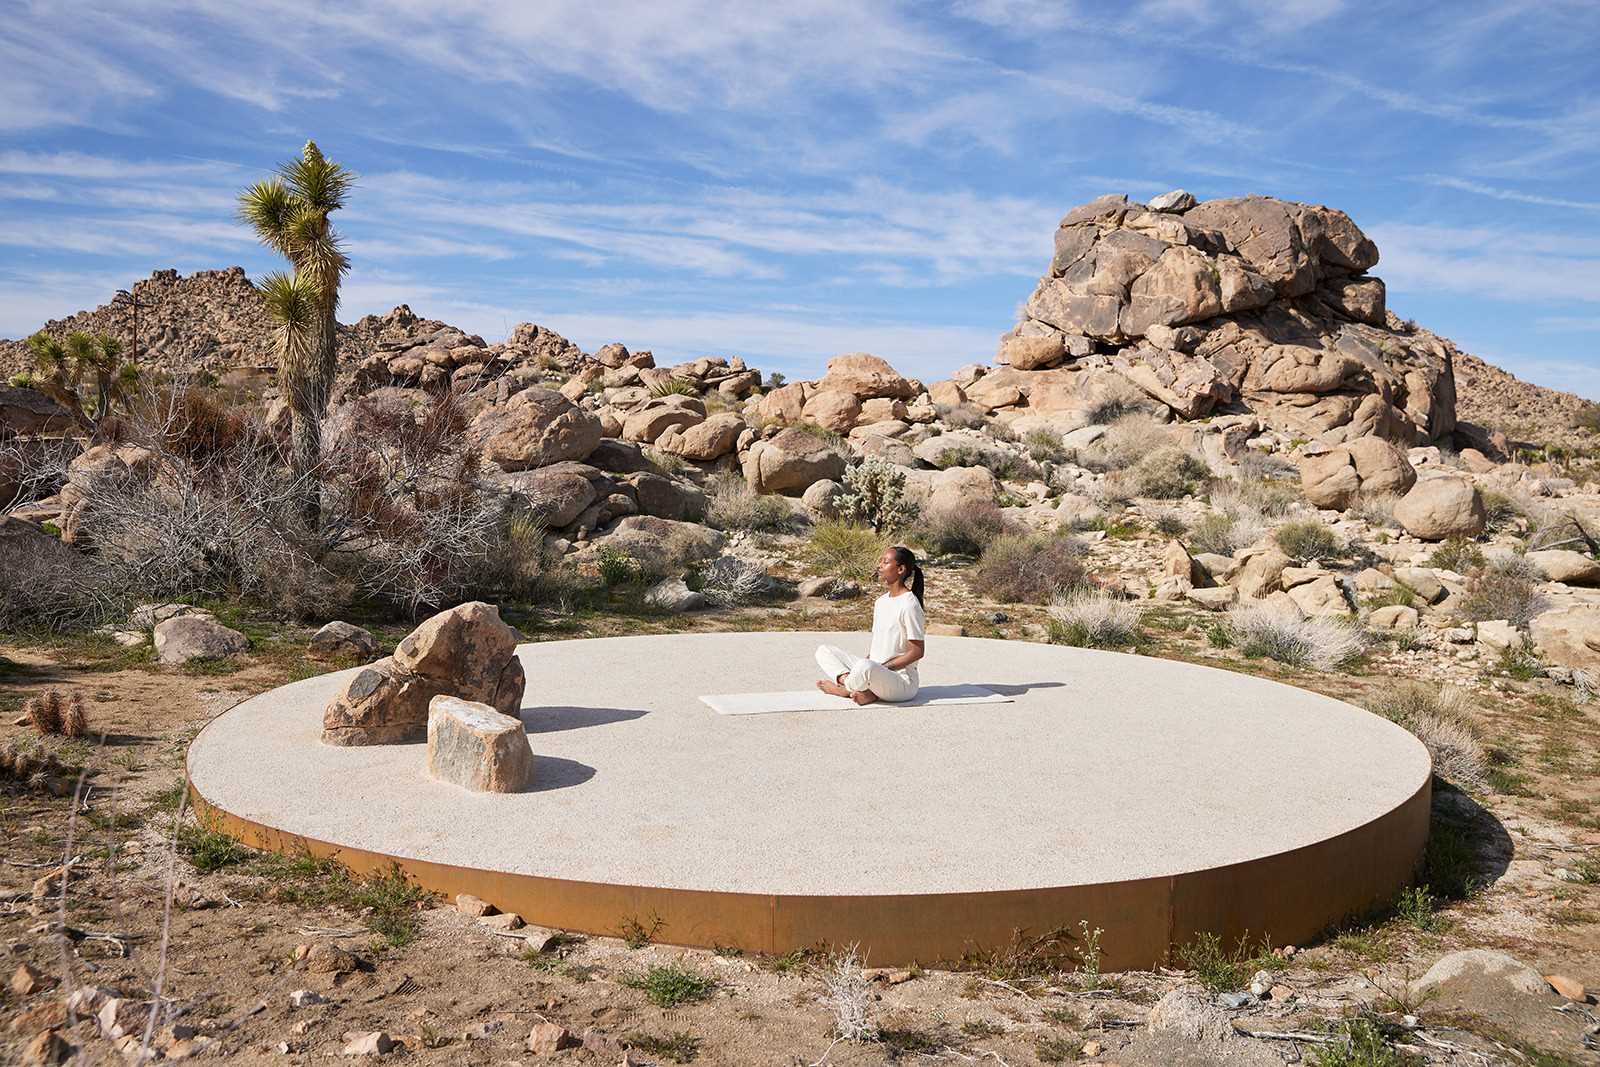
(913, 652)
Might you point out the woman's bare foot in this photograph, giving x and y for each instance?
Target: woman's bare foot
(869, 697)
(835, 689)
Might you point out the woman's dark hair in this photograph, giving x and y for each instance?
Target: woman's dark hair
(908, 559)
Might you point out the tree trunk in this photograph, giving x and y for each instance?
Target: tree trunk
(308, 403)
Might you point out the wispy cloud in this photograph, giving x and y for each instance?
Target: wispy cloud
(1479, 188)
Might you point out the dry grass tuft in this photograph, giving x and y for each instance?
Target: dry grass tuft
(1439, 719)
(1319, 643)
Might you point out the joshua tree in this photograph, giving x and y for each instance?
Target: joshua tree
(62, 366)
(290, 214)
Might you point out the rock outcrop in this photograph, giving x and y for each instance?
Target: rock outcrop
(1246, 304)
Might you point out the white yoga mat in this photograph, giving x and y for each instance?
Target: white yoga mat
(817, 700)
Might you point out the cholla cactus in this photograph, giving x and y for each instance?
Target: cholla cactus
(875, 495)
(75, 723)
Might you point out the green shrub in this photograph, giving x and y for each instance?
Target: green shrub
(617, 569)
(1168, 473)
(966, 530)
(674, 387)
(875, 495)
(1307, 540)
(671, 984)
(1044, 446)
(1029, 568)
(1457, 554)
(1214, 532)
(1169, 523)
(1363, 1046)
(732, 505)
(844, 550)
(1224, 970)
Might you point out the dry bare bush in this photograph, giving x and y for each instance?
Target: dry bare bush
(732, 505)
(1318, 642)
(1127, 440)
(1506, 589)
(848, 994)
(1439, 719)
(1092, 618)
(33, 468)
(966, 530)
(729, 581)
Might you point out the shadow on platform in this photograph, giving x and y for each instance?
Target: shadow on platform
(553, 772)
(553, 720)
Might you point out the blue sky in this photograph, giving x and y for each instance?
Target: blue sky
(790, 181)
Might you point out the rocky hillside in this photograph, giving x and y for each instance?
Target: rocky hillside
(1245, 306)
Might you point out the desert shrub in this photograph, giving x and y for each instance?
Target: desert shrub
(848, 994)
(1219, 533)
(844, 550)
(1168, 473)
(961, 416)
(1363, 1046)
(875, 495)
(1457, 554)
(669, 985)
(729, 581)
(1503, 592)
(1127, 440)
(962, 455)
(32, 469)
(732, 505)
(1439, 719)
(965, 530)
(1377, 509)
(1169, 522)
(1318, 643)
(616, 569)
(1044, 446)
(1307, 540)
(1091, 618)
(52, 592)
(1029, 568)
(1587, 418)
(674, 386)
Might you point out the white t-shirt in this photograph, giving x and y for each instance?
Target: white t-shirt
(897, 620)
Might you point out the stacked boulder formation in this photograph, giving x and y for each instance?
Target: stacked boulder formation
(1239, 305)
(466, 652)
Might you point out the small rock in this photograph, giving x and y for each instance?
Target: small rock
(304, 998)
(1280, 992)
(28, 980)
(342, 640)
(324, 957)
(377, 1043)
(1260, 984)
(550, 1037)
(483, 1031)
(673, 595)
(898, 977)
(1570, 988)
(1092, 1048)
(467, 904)
(474, 746)
(45, 1050)
(819, 586)
(509, 920)
(947, 629)
(185, 637)
(601, 1043)
(1232, 1001)
(999, 617)
(47, 1016)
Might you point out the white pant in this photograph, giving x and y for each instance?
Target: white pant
(864, 675)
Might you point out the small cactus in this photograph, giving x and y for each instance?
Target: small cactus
(76, 721)
(45, 712)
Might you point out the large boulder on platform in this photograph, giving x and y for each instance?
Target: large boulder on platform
(190, 637)
(476, 747)
(467, 652)
(790, 461)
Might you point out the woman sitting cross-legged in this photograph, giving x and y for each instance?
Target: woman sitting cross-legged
(899, 636)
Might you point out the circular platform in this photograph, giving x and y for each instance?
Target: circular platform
(1152, 798)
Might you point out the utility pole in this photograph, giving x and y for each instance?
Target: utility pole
(124, 297)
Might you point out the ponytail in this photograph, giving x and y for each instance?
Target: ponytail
(908, 559)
